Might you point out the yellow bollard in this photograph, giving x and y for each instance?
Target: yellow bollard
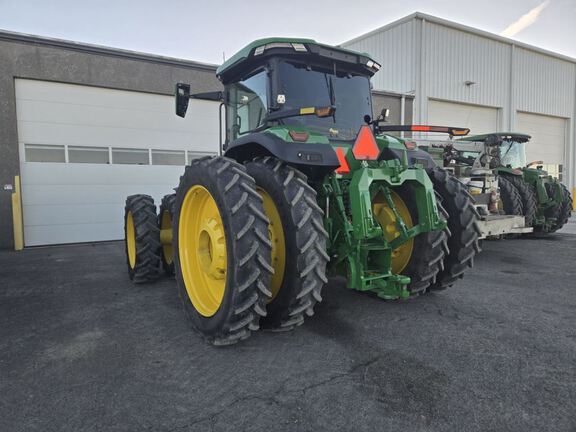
(17, 215)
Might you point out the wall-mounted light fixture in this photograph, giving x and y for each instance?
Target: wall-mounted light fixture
(469, 83)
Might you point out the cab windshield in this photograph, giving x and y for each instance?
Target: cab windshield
(302, 85)
(513, 154)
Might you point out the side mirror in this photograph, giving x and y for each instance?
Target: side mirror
(182, 99)
(384, 114)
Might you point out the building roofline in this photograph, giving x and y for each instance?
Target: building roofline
(392, 93)
(461, 27)
(10, 36)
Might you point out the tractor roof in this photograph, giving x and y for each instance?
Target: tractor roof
(262, 48)
(519, 137)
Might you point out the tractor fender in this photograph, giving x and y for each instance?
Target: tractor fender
(315, 160)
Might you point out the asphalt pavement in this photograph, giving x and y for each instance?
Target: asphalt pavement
(82, 349)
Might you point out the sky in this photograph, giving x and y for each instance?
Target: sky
(209, 31)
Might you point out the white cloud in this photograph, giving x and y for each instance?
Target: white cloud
(524, 21)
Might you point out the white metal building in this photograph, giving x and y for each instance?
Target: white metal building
(463, 76)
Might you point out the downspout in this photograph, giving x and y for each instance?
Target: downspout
(402, 112)
(511, 104)
(422, 96)
(572, 150)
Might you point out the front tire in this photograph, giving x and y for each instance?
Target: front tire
(222, 250)
(564, 211)
(298, 242)
(420, 258)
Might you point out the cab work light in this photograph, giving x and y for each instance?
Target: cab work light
(365, 147)
(295, 46)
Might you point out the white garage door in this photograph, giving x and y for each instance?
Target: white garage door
(84, 149)
(478, 119)
(548, 137)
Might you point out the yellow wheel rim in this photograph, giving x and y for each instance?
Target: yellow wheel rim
(276, 234)
(202, 250)
(131, 240)
(166, 237)
(387, 220)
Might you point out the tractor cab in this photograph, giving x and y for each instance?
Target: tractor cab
(303, 89)
(501, 149)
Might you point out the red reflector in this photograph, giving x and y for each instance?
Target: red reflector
(418, 128)
(365, 147)
(410, 145)
(298, 136)
(344, 168)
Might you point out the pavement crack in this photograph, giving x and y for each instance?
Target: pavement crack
(363, 365)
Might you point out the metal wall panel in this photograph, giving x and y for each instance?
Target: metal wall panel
(395, 50)
(452, 57)
(543, 84)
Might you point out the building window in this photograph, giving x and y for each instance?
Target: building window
(168, 157)
(44, 153)
(130, 156)
(94, 155)
(196, 155)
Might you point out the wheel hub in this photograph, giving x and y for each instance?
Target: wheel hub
(211, 249)
(400, 257)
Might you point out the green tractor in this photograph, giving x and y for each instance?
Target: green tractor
(543, 200)
(307, 186)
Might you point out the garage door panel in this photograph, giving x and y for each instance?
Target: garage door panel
(85, 135)
(36, 195)
(548, 137)
(65, 214)
(78, 95)
(72, 233)
(80, 194)
(478, 119)
(201, 112)
(44, 174)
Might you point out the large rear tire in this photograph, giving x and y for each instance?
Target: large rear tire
(222, 250)
(462, 219)
(298, 241)
(142, 239)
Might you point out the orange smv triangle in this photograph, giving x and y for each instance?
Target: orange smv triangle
(344, 168)
(365, 147)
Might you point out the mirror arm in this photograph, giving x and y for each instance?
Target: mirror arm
(217, 96)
